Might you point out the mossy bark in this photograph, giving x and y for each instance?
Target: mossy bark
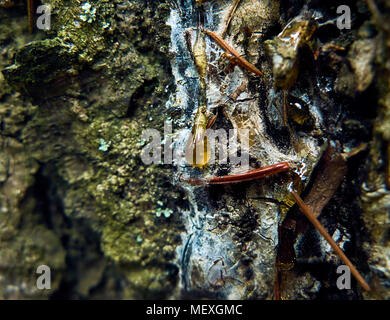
(75, 195)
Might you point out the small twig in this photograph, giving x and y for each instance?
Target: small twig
(230, 16)
(285, 116)
(309, 215)
(355, 151)
(236, 56)
(30, 9)
(242, 88)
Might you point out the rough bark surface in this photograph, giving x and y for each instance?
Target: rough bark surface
(76, 196)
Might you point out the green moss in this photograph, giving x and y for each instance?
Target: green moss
(38, 63)
(97, 83)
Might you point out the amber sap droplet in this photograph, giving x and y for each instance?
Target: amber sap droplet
(198, 152)
(297, 184)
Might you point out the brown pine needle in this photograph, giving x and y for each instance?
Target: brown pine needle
(237, 58)
(309, 214)
(230, 16)
(30, 9)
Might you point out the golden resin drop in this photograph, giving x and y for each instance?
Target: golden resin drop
(198, 153)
